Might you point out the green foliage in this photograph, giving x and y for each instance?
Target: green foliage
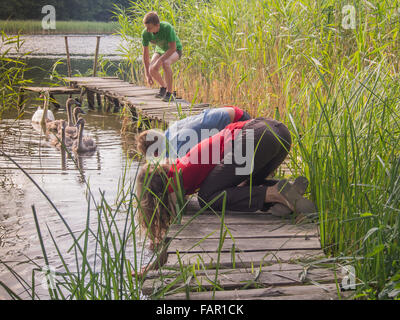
(336, 88)
(11, 72)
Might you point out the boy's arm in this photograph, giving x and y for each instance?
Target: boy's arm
(146, 62)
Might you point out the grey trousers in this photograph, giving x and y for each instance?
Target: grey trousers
(272, 143)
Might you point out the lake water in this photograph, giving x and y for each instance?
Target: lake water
(61, 178)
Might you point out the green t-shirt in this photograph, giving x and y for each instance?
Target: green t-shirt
(161, 38)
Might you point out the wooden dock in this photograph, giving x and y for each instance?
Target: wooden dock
(111, 93)
(261, 257)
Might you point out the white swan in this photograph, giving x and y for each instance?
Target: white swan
(83, 144)
(43, 115)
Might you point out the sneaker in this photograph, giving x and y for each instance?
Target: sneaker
(161, 93)
(282, 211)
(169, 97)
(279, 210)
(300, 204)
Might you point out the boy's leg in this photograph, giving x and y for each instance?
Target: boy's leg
(155, 73)
(168, 70)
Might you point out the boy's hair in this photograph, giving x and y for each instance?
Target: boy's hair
(146, 139)
(152, 18)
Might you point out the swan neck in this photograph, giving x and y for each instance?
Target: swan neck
(45, 108)
(69, 114)
(80, 135)
(75, 116)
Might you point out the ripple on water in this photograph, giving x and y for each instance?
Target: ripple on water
(62, 181)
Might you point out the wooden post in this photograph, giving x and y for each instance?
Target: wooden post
(90, 99)
(68, 57)
(54, 102)
(96, 56)
(98, 96)
(83, 91)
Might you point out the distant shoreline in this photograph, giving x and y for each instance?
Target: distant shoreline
(34, 27)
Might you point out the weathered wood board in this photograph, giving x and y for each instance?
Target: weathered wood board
(260, 257)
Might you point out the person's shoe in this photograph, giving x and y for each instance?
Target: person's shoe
(295, 199)
(169, 97)
(279, 210)
(300, 184)
(161, 93)
(282, 211)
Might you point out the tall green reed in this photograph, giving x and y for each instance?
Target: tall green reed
(337, 89)
(102, 269)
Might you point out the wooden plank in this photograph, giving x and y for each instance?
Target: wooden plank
(234, 217)
(169, 272)
(186, 110)
(152, 103)
(87, 79)
(242, 278)
(147, 99)
(105, 86)
(243, 244)
(133, 91)
(243, 259)
(195, 230)
(304, 292)
(52, 90)
(102, 81)
(186, 107)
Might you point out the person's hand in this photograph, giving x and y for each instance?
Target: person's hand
(149, 79)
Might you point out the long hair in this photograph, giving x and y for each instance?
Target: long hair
(147, 138)
(155, 213)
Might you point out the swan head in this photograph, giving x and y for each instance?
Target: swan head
(80, 122)
(72, 101)
(78, 110)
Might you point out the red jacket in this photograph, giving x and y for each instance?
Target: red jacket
(194, 169)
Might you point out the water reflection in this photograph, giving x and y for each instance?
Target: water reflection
(64, 177)
(61, 175)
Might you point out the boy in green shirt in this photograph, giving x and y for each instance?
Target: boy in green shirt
(168, 51)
